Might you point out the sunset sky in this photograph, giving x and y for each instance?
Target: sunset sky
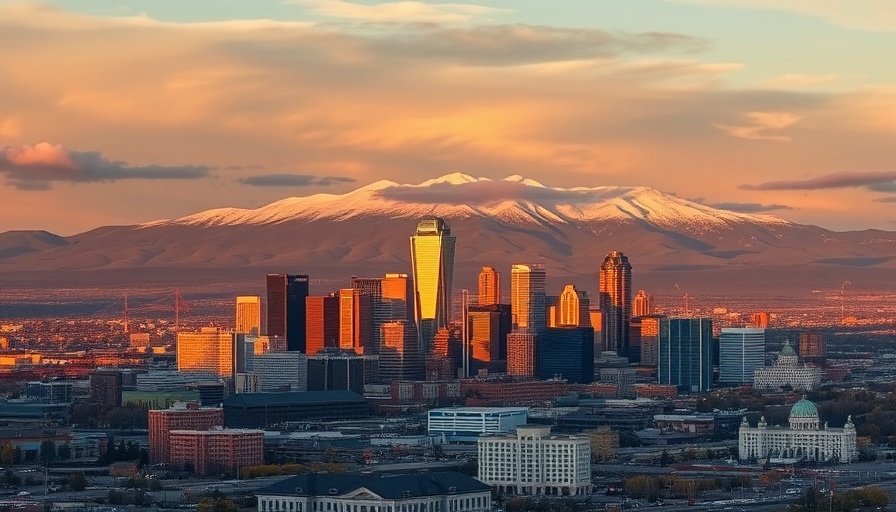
(125, 111)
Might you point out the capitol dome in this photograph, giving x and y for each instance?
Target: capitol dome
(804, 409)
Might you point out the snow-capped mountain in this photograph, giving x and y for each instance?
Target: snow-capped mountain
(668, 240)
(457, 196)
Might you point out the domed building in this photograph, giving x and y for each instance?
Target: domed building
(804, 438)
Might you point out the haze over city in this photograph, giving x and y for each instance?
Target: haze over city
(118, 113)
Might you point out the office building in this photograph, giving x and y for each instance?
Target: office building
(741, 351)
(248, 315)
(813, 346)
(432, 261)
(105, 388)
(534, 462)
(573, 308)
(760, 320)
(401, 357)
(804, 438)
(685, 353)
(527, 297)
(398, 293)
(615, 285)
(787, 372)
(322, 323)
(644, 338)
(336, 370)
(356, 322)
(182, 416)
(566, 353)
(433, 492)
(211, 350)
(466, 424)
(286, 309)
(489, 287)
(53, 392)
(216, 452)
(281, 371)
(642, 304)
(263, 410)
(622, 378)
(521, 353)
(489, 326)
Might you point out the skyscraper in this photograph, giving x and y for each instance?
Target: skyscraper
(356, 321)
(566, 352)
(615, 285)
(248, 314)
(432, 262)
(741, 350)
(527, 297)
(390, 300)
(322, 327)
(489, 286)
(400, 357)
(573, 308)
(642, 304)
(286, 309)
(211, 350)
(685, 353)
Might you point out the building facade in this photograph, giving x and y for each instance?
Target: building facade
(615, 285)
(489, 286)
(573, 307)
(787, 372)
(432, 262)
(567, 353)
(286, 294)
(741, 351)
(217, 451)
(685, 353)
(642, 304)
(336, 370)
(803, 438)
(248, 315)
(427, 492)
(322, 323)
(532, 461)
(521, 353)
(466, 424)
(281, 371)
(527, 297)
(211, 350)
(182, 416)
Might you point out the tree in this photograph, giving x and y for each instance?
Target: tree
(11, 478)
(76, 482)
(64, 452)
(17, 455)
(7, 453)
(216, 505)
(47, 451)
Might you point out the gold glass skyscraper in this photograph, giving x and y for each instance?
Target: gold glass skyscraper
(573, 308)
(527, 297)
(248, 314)
(432, 262)
(615, 285)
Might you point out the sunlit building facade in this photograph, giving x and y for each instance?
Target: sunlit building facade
(356, 322)
(432, 262)
(322, 326)
(248, 314)
(527, 297)
(181, 416)
(787, 372)
(615, 285)
(573, 308)
(642, 304)
(489, 286)
(521, 352)
(211, 350)
(400, 355)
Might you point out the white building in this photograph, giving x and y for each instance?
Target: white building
(333, 492)
(532, 461)
(787, 371)
(803, 438)
(468, 423)
(278, 371)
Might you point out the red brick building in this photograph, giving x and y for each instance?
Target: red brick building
(182, 416)
(511, 391)
(219, 451)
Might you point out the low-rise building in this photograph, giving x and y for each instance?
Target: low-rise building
(182, 416)
(442, 492)
(466, 424)
(532, 461)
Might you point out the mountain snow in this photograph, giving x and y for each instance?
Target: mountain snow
(515, 200)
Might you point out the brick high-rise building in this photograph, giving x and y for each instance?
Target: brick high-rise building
(521, 352)
(213, 452)
(182, 416)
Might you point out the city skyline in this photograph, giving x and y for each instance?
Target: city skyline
(170, 101)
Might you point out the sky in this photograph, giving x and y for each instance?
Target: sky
(121, 112)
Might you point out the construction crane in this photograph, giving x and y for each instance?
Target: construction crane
(687, 310)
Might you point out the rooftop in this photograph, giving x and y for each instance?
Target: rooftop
(390, 487)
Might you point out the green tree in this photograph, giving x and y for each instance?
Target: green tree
(76, 482)
(216, 505)
(11, 478)
(64, 452)
(7, 453)
(47, 451)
